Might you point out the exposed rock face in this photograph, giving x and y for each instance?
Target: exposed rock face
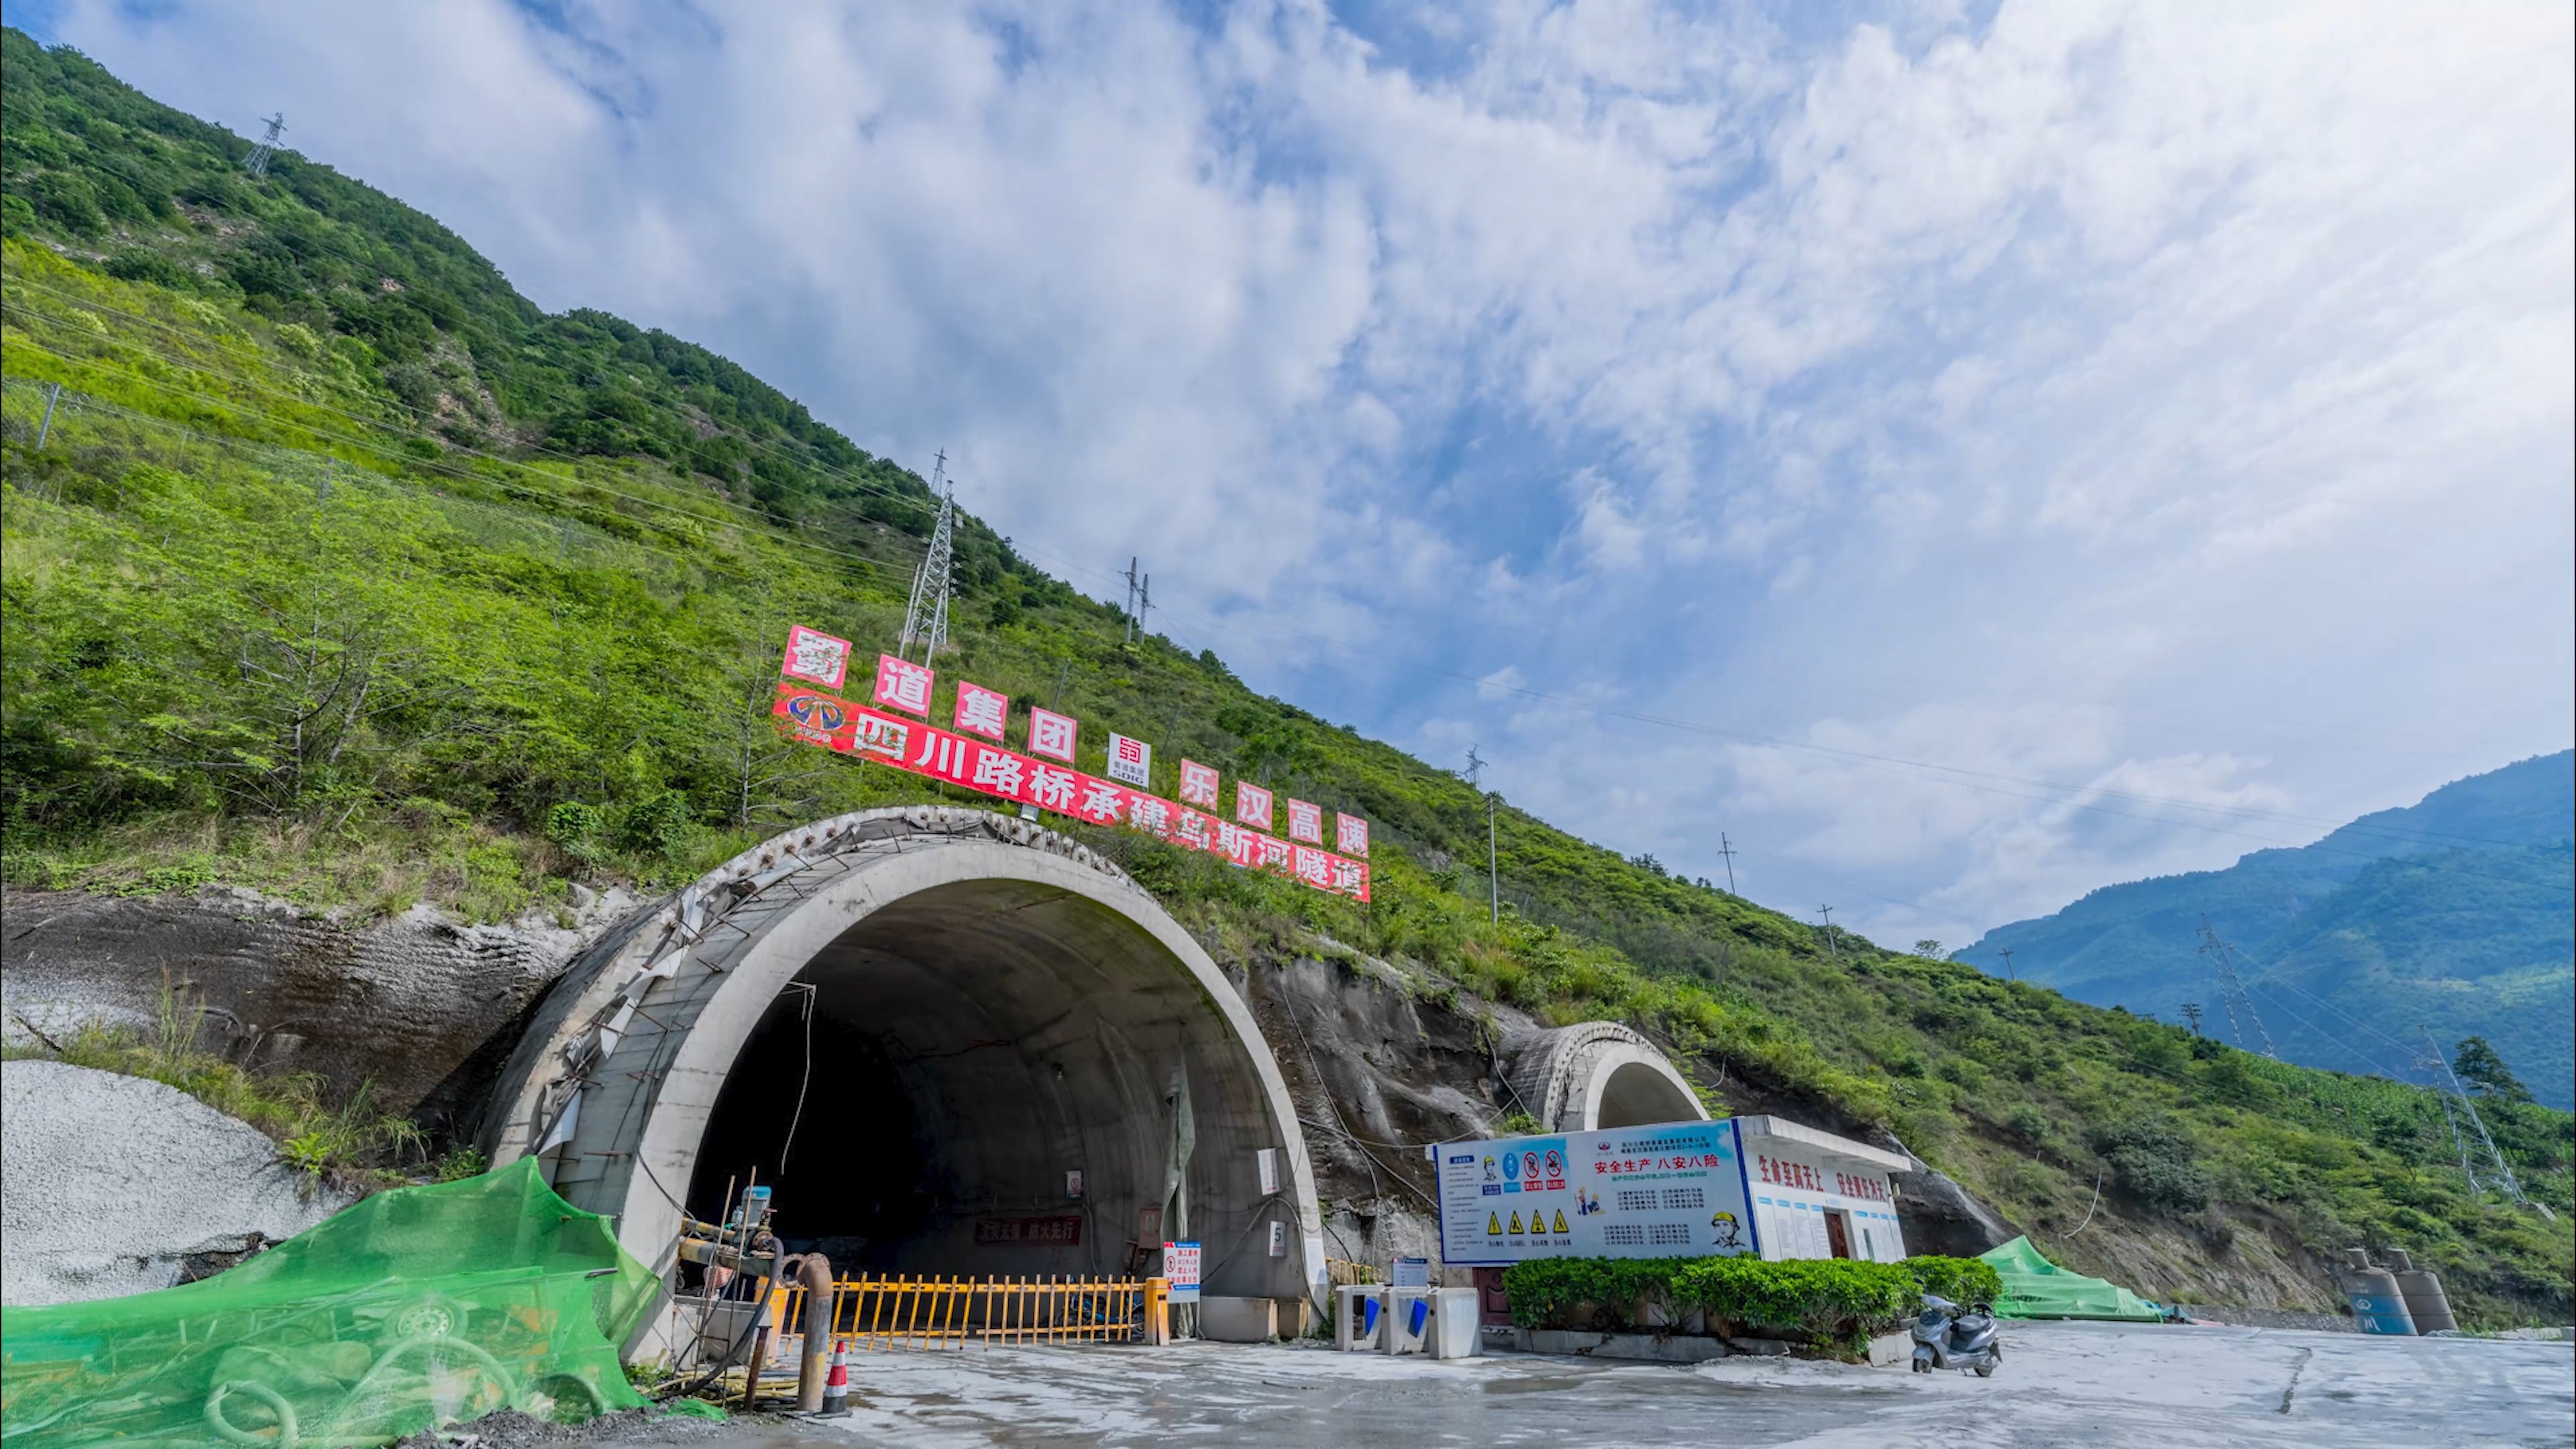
(406, 1004)
(112, 1185)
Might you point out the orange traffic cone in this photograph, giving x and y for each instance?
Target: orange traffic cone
(836, 1389)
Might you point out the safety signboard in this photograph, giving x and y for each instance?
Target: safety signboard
(1672, 1190)
(1181, 1266)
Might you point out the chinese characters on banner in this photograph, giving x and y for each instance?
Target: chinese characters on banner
(1198, 784)
(903, 685)
(941, 754)
(1305, 822)
(1251, 805)
(1131, 760)
(1051, 735)
(1350, 834)
(982, 711)
(815, 657)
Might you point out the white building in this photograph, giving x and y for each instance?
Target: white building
(1816, 1195)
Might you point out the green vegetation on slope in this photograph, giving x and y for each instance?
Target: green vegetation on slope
(276, 616)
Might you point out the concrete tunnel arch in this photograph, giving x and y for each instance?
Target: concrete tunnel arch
(1027, 1008)
(1595, 1075)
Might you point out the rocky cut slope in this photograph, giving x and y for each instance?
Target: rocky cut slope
(339, 573)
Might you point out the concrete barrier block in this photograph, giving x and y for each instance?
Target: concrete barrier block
(1761, 1347)
(1239, 1320)
(1891, 1350)
(1650, 1348)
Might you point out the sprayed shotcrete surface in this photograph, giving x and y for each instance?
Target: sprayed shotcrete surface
(108, 1183)
(2103, 1386)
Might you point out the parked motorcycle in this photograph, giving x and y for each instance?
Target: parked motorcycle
(1945, 1338)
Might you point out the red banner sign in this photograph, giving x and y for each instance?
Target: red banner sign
(922, 749)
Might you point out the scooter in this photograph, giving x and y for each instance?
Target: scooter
(1945, 1338)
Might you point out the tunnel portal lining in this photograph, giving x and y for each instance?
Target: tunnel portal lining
(1050, 949)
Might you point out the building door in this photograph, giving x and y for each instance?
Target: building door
(1838, 1234)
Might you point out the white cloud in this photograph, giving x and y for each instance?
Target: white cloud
(2170, 395)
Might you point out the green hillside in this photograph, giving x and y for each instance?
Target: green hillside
(2455, 915)
(343, 573)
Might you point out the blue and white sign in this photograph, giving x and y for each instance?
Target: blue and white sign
(1673, 1190)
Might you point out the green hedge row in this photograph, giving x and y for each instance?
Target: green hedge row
(1833, 1304)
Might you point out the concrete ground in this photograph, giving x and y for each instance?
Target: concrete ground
(2103, 1386)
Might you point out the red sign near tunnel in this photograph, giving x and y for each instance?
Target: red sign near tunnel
(989, 769)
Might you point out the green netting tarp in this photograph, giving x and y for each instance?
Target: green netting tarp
(2037, 1288)
(414, 1308)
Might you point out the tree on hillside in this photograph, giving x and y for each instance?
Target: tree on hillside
(2479, 1065)
(1928, 947)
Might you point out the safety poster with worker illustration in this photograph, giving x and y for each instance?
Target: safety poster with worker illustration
(1672, 1190)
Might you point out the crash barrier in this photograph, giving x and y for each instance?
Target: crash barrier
(1439, 1322)
(900, 1312)
(413, 1308)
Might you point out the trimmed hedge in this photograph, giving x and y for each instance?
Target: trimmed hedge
(1831, 1304)
(1961, 1280)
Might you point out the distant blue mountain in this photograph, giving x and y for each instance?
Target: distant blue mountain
(2455, 915)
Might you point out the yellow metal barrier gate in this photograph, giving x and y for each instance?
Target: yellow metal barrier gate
(937, 1312)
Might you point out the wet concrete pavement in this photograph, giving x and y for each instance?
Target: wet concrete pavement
(2103, 1386)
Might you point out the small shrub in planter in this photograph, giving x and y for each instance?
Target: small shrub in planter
(1961, 1280)
(1830, 1305)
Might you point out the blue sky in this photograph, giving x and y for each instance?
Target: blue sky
(1965, 454)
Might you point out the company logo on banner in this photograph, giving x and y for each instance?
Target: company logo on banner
(903, 685)
(1131, 760)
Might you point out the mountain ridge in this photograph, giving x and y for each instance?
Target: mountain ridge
(2332, 932)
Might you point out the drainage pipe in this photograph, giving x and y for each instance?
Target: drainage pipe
(813, 1273)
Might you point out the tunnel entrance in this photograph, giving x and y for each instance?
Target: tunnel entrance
(1639, 1094)
(1008, 1059)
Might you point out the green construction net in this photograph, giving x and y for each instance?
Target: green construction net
(2037, 1288)
(414, 1308)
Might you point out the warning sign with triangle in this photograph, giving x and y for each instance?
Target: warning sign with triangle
(1516, 1222)
(1493, 1225)
(1560, 1221)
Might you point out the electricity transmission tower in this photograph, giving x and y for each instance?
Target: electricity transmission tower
(257, 161)
(1726, 852)
(2191, 1013)
(2008, 969)
(2448, 1091)
(1493, 869)
(1140, 597)
(925, 618)
(2231, 990)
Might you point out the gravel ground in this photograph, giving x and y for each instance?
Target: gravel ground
(2103, 1386)
(108, 1182)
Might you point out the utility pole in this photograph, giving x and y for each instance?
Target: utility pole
(1493, 869)
(257, 160)
(2231, 989)
(925, 617)
(1828, 913)
(1726, 852)
(2191, 1013)
(53, 394)
(1144, 604)
(2008, 971)
(1130, 636)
